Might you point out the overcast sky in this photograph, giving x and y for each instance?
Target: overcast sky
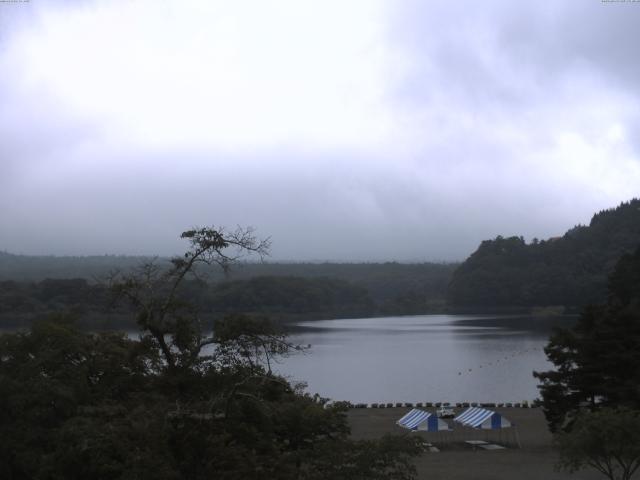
(344, 130)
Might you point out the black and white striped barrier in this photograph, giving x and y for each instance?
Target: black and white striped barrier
(524, 404)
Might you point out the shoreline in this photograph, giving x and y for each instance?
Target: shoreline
(433, 405)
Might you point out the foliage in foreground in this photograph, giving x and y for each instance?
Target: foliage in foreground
(607, 440)
(76, 405)
(178, 403)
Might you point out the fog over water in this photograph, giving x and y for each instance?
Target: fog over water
(349, 131)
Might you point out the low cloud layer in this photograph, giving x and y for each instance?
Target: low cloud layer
(361, 131)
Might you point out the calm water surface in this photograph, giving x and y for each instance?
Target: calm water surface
(434, 358)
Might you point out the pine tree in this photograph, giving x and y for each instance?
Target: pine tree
(597, 361)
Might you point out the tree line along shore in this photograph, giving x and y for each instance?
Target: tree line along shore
(504, 275)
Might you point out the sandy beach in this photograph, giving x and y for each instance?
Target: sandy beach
(458, 460)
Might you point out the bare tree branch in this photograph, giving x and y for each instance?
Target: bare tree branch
(153, 290)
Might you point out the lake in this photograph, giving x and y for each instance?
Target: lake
(425, 358)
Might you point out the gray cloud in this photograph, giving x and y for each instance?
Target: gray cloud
(479, 119)
(320, 209)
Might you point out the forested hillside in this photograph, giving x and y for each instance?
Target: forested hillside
(322, 296)
(395, 288)
(353, 290)
(36, 268)
(570, 270)
(282, 291)
(282, 298)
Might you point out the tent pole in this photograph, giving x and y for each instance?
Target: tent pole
(515, 430)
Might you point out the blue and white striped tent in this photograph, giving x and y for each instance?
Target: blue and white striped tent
(477, 417)
(418, 419)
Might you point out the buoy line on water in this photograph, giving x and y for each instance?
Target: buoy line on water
(513, 354)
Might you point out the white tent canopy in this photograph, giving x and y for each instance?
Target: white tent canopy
(477, 417)
(420, 420)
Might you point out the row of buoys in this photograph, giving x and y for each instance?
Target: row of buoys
(523, 404)
(515, 353)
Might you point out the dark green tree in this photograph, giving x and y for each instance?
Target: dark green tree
(66, 397)
(607, 440)
(597, 362)
(570, 270)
